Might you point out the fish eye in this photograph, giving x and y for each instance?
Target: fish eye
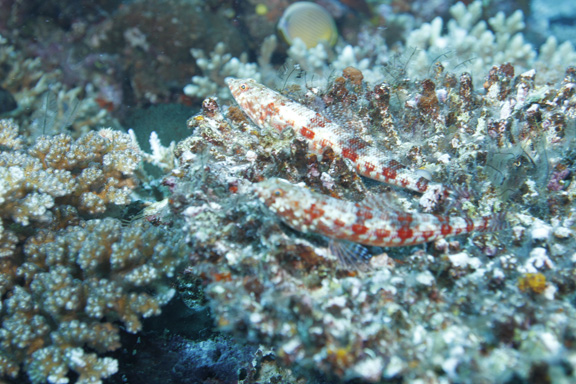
(243, 87)
(278, 192)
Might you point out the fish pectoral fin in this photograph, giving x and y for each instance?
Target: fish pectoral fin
(350, 255)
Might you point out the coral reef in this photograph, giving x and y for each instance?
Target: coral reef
(456, 95)
(162, 33)
(465, 43)
(554, 21)
(413, 320)
(479, 45)
(68, 280)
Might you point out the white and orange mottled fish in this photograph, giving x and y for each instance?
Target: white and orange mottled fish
(363, 223)
(358, 223)
(269, 109)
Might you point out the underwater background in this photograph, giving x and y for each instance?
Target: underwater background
(147, 236)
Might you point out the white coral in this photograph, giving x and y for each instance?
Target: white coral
(215, 68)
(468, 38)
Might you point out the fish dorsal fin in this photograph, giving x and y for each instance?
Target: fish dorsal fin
(348, 119)
(385, 202)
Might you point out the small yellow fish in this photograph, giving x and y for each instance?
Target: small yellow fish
(310, 22)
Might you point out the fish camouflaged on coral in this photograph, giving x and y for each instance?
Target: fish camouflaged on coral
(269, 109)
(311, 212)
(366, 223)
(456, 310)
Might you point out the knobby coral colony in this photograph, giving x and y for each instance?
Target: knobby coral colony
(67, 280)
(457, 310)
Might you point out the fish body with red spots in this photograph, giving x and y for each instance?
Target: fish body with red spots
(269, 109)
(308, 211)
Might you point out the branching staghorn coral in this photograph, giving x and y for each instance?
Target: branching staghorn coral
(46, 105)
(67, 283)
(71, 289)
(89, 173)
(468, 42)
(221, 64)
(215, 69)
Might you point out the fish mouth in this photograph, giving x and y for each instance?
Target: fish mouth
(229, 80)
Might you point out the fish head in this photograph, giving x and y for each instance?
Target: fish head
(243, 89)
(249, 95)
(284, 199)
(273, 192)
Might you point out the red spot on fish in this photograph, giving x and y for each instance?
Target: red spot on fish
(314, 212)
(405, 232)
(364, 214)
(272, 109)
(440, 218)
(349, 154)
(339, 223)
(389, 173)
(369, 167)
(359, 229)
(427, 234)
(289, 213)
(469, 224)
(382, 233)
(422, 184)
(307, 133)
(445, 229)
